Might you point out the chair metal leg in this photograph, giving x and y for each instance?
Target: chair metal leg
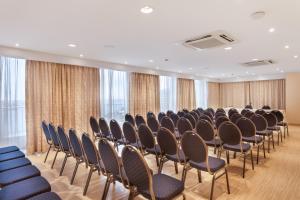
(215, 150)
(176, 167)
(252, 159)
(212, 187)
(244, 165)
(161, 165)
(184, 172)
(287, 129)
(280, 135)
(63, 165)
(87, 181)
(278, 138)
(47, 153)
(199, 176)
(74, 172)
(264, 149)
(234, 155)
(54, 159)
(227, 156)
(257, 159)
(273, 141)
(157, 161)
(269, 144)
(106, 187)
(227, 181)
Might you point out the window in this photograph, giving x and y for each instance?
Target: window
(201, 93)
(12, 102)
(167, 93)
(114, 94)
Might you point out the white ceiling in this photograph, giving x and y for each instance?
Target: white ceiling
(95, 25)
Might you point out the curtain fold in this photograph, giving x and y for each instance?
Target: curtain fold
(167, 93)
(63, 94)
(201, 93)
(186, 94)
(235, 94)
(213, 95)
(144, 93)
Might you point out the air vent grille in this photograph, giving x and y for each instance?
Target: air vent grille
(258, 63)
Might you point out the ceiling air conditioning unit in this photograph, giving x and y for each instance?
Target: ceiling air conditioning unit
(258, 63)
(211, 40)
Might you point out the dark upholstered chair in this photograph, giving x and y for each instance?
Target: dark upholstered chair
(169, 149)
(191, 119)
(183, 124)
(104, 128)
(209, 114)
(160, 116)
(220, 110)
(55, 140)
(95, 127)
(174, 118)
(211, 111)
(249, 107)
(139, 119)
(48, 137)
(196, 150)
(150, 114)
(129, 118)
(207, 118)
(281, 122)
(167, 123)
(131, 135)
(77, 152)
(220, 120)
(195, 115)
(15, 163)
(9, 149)
(260, 112)
(249, 114)
(235, 117)
(11, 155)
(117, 134)
(248, 130)
(272, 125)
(148, 141)
(185, 110)
(232, 111)
(65, 146)
(153, 124)
(231, 137)
(244, 111)
(220, 114)
(266, 107)
(142, 181)
(180, 113)
(169, 112)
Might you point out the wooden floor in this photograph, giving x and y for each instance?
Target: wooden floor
(276, 177)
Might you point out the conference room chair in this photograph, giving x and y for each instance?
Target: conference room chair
(117, 134)
(14, 163)
(131, 136)
(95, 128)
(191, 119)
(248, 130)
(139, 119)
(231, 137)
(198, 112)
(104, 128)
(77, 151)
(248, 107)
(205, 117)
(249, 114)
(218, 114)
(211, 111)
(196, 150)
(209, 114)
(160, 116)
(180, 113)
(185, 110)
(220, 110)
(167, 123)
(144, 182)
(48, 137)
(266, 107)
(220, 120)
(260, 112)
(235, 117)
(92, 158)
(174, 118)
(206, 131)
(272, 125)
(129, 118)
(55, 140)
(112, 165)
(11, 155)
(169, 112)
(8, 149)
(261, 125)
(195, 115)
(150, 114)
(201, 110)
(183, 125)
(148, 142)
(232, 111)
(153, 124)
(281, 122)
(65, 146)
(244, 111)
(170, 150)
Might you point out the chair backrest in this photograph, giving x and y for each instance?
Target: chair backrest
(174, 118)
(160, 116)
(137, 170)
(271, 119)
(232, 112)
(246, 126)
(211, 111)
(248, 107)
(169, 112)
(95, 126)
(244, 111)
(183, 125)
(205, 129)
(195, 115)
(278, 115)
(220, 114)
(76, 144)
(205, 117)
(153, 124)
(54, 136)
(220, 110)
(266, 107)
(146, 136)
(236, 116)
(46, 132)
(185, 110)
(167, 142)
(104, 127)
(139, 119)
(229, 133)
(209, 114)
(115, 129)
(89, 149)
(220, 120)
(194, 147)
(168, 124)
(249, 114)
(199, 112)
(260, 112)
(130, 133)
(129, 118)
(180, 113)
(63, 138)
(191, 119)
(150, 114)
(260, 122)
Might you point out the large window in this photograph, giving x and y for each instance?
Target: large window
(12, 102)
(167, 93)
(114, 94)
(201, 93)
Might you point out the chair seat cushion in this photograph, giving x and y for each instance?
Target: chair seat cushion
(15, 163)
(174, 157)
(237, 148)
(11, 155)
(254, 139)
(215, 164)
(164, 187)
(264, 133)
(25, 189)
(154, 150)
(274, 128)
(18, 174)
(46, 196)
(8, 149)
(214, 143)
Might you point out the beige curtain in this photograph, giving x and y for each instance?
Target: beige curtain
(213, 95)
(269, 92)
(62, 94)
(234, 94)
(144, 94)
(186, 94)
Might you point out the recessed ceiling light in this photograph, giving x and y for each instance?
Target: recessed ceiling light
(151, 60)
(281, 71)
(17, 44)
(81, 55)
(254, 59)
(223, 74)
(295, 56)
(157, 67)
(247, 72)
(287, 46)
(228, 48)
(125, 62)
(190, 68)
(258, 14)
(271, 30)
(72, 45)
(146, 10)
(277, 69)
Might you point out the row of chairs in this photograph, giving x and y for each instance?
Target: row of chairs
(19, 179)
